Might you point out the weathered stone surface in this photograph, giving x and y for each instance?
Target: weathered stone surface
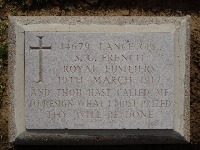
(99, 80)
(100, 73)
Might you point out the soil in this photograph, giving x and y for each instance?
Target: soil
(125, 8)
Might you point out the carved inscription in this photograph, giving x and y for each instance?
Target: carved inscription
(99, 84)
(40, 48)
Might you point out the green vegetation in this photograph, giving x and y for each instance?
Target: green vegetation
(3, 45)
(3, 51)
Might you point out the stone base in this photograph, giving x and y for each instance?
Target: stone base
(98, 137)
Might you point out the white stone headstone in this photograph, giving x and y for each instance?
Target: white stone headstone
(100, 73)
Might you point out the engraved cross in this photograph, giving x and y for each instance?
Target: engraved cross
(40, 48)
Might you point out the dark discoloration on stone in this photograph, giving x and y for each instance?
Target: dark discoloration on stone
(112, 137)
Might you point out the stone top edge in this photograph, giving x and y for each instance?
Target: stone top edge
(102, 20)
(169, 28)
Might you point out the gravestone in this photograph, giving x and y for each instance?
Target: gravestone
(95, 80)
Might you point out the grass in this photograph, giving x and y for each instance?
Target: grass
(3, 58)
(3, 44)
(3, 51)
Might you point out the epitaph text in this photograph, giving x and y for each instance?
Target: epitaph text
(99, 80)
